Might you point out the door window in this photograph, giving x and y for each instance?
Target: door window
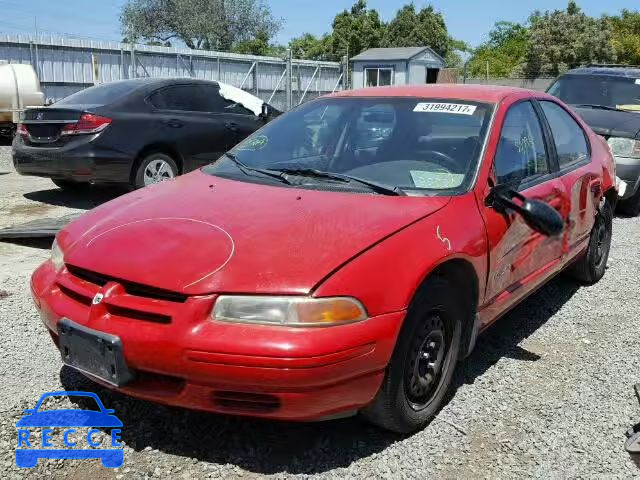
(378, 77)
(177, 97)
(211, 101)
(521, 153)
(568, 136)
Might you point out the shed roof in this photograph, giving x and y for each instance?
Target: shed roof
(398, 53)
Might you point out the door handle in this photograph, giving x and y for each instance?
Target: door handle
(174, 123)
(231, 126)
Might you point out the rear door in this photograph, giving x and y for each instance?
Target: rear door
(188, 118)
(581, 178)
(520, 258)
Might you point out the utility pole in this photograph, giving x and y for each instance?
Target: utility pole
(35, 27)
(289, 80)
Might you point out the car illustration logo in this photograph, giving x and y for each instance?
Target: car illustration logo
(39, 116)
(97, 299)
(69, 424)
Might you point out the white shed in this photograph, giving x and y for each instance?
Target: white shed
(378, 67)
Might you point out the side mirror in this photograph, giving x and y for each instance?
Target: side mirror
(538, 215)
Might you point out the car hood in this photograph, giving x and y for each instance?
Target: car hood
(611, 123)
(200, 234)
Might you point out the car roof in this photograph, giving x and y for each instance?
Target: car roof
(472, 92)
(630, 71)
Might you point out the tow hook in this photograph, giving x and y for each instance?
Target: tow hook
(632, 445)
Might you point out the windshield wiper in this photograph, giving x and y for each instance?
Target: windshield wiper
(375, 186)
(593, 105)
(246, 169)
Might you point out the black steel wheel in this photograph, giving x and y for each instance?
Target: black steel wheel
(424, 359)
(590, 267)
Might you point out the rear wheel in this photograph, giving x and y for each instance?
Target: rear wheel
(419, 374)
(70, 185)
(154, 168)
(591, 266)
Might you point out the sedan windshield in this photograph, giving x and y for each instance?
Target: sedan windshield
(598, 90)
(382, 145)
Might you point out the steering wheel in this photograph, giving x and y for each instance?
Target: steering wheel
(449, 162)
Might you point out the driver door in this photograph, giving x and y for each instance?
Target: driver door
(520, 259)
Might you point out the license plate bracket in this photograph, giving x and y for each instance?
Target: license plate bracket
(92, 352)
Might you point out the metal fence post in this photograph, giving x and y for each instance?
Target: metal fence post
(289, 84)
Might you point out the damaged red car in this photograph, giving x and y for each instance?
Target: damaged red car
(342, 259)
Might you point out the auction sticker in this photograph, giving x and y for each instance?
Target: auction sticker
(457, 108)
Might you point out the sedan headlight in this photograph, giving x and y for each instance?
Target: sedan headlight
(57, 257)
(624, 147)
(288, 311)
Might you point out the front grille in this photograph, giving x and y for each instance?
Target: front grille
(130, 287)
(133, 314)
(78, 297)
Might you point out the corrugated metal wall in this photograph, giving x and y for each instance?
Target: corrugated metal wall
(65, 66)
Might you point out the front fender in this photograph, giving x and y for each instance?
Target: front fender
(386, 277)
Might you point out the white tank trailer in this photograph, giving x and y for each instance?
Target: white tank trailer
(19, 89)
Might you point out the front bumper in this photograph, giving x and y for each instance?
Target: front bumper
(628, 169)
(79, 161)
(191, 361)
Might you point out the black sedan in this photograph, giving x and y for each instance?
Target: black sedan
(135, 132)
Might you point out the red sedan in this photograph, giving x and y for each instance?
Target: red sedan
(342, 259)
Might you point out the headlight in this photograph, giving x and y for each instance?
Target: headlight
(288, 311)
(624, 147)
(57, 257)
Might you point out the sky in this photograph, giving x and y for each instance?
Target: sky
(467, 20)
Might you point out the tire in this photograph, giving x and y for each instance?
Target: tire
(412, 391)
(590, 268)
(159, 166)
(70, 185)
(630, 206)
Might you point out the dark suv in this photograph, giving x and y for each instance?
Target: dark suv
(135, 132)
(607, 97)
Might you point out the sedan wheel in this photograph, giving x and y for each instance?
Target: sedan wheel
(155, 168)
(158, 170)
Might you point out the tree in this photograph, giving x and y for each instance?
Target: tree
(203, 24)
(355, 31)
(503, 53)
(414, 29)
(564, 39)
(310, 47)
(626, 36)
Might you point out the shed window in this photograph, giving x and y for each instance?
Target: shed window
(378, 77)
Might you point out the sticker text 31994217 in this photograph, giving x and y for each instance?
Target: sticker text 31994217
(457, 108)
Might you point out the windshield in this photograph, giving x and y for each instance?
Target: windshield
(100, 94)
(428, 145)
(603, 90)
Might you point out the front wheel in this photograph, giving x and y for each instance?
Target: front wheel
(154, 168)
(419, 374)
(590, 268)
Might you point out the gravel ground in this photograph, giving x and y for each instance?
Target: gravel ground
(547, 393)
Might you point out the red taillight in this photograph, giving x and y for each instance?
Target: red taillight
(22, 130)
(88, 123)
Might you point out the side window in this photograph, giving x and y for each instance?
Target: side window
(521, 153)
(568, 136)
(178, 97)
(210, 100)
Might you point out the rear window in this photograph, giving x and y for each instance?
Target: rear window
(100, 94)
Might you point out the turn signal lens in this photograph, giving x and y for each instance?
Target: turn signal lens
(87, 124)
(288, 311)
